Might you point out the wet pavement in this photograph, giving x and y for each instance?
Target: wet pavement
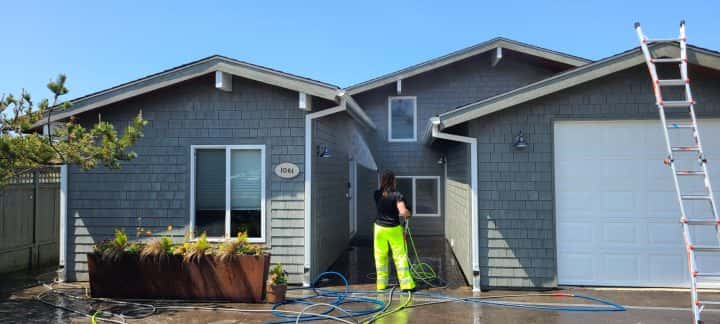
(18, 303)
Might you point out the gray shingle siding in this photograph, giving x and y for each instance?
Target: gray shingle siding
(458, 205)
(516, 188)
(330, 207)
(438, 91)
(153, 190)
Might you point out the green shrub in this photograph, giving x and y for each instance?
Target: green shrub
(278, 276)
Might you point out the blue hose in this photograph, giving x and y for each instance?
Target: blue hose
(341, 298)
(344, 297)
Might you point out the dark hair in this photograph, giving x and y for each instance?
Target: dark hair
(387, 184)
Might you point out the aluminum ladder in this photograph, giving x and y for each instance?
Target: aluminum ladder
(670, 128)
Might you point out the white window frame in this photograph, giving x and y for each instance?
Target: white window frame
(414, 187)
(390, 137)
(228, 149)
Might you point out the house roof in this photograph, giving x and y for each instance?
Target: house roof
(462, 54)
(195, 69)
(618, 62)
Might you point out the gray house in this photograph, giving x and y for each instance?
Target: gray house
(539, 168)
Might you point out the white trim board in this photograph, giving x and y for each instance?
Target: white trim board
(263, 186)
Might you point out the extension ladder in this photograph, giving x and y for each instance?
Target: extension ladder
(688, 102)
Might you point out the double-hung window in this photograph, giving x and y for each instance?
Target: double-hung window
(422, 194)
(228, 191)
(402, 119)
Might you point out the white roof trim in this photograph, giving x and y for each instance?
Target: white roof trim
(466, 53)
(194, 70)
(569, 79)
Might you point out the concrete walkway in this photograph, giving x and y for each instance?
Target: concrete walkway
(644, 306)
(18, 303)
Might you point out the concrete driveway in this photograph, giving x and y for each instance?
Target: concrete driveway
(643, 306)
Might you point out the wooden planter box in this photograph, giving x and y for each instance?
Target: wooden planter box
(240, 279)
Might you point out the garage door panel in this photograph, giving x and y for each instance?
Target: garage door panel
(664, 235)
(577, 201)
(617, 212)
(618, 174)
(622, 233)
(664, 268)
(620, 201)
(621, 268)
(662, 205)
(610, 137)
(577, 233)
(577, 267)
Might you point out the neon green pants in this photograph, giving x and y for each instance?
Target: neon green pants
(386, 238)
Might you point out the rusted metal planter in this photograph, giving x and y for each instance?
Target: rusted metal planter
(240, 279)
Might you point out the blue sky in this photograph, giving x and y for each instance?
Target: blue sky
(99, 44)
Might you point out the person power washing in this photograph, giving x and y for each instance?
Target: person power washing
(388, 234)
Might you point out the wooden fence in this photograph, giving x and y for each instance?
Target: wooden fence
(29, 221)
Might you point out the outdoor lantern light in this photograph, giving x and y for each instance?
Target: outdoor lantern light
(442, 159)
(520, 142)
(323, 152)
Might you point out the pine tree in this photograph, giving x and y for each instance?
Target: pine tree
(24, 146)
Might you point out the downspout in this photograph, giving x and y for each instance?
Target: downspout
(62, 272)
(308, 181)
(436, 133)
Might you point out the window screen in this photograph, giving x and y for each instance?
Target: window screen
(426, 196)
(210, 192)
(402, 118)
(245, 194)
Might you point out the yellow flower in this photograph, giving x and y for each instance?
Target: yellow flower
(169, 227)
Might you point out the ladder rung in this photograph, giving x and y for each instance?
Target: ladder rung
(699, 221)
(695, 197)
(709, 302)
(667, 60)
(663, 40)
(705, 248)
(689, 173)
(685, 149)
(676, 104)
(678, 125)
(708, 274)
(671, 82)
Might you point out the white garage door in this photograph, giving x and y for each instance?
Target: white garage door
(617, 215)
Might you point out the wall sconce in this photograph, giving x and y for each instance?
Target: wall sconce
(442, 160)
(323, 151)
(520, 142)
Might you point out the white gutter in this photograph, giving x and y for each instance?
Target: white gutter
(436, 133)
(308, 181)
(62, 274)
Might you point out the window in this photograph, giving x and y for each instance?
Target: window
(228, 191)
(402, 119)
(422, 194)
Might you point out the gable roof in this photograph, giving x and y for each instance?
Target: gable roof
(195, 69)
(498, 42)
(696, 55)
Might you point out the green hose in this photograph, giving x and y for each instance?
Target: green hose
(420, 270)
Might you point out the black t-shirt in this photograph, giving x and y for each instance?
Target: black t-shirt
(387, 211)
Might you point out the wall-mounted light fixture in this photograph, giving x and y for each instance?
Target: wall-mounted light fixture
(323, 151)
(442, 160)
(520, 142)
